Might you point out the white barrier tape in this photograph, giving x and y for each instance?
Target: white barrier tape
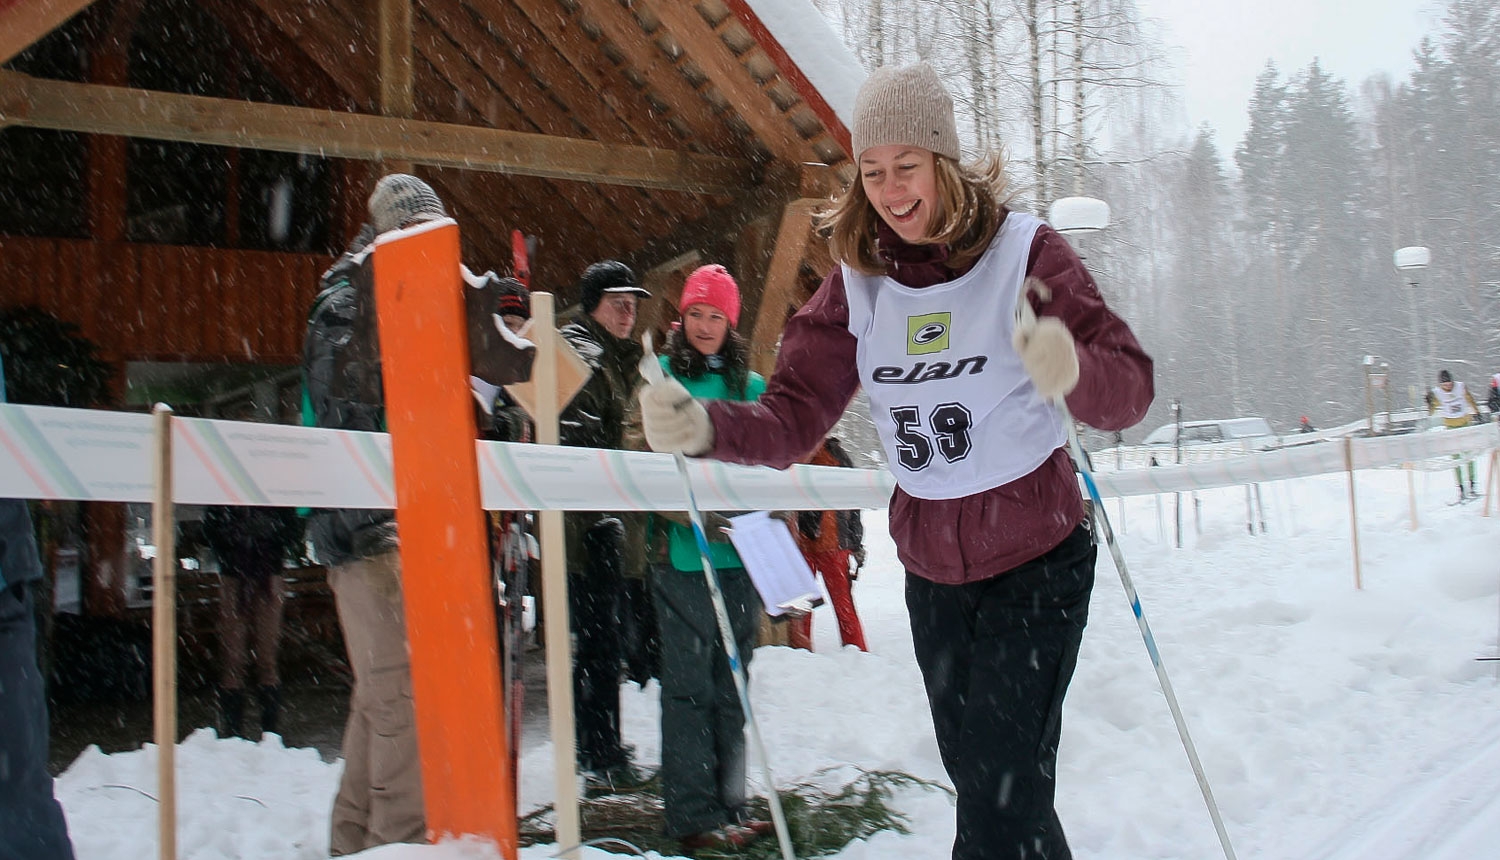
(93, 455)
(1299, 461)
(90, 455)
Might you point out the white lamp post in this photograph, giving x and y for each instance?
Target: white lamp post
(1078, 214)
(1412, 260)
(1377, 373)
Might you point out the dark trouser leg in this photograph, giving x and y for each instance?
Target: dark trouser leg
(234, 631)
(702, 724)
(267, 606)
(32, 826)
(594, 600)
(234, 654)
(641, 639)
(996, 658)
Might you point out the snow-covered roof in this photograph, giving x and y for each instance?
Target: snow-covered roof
(817, 52)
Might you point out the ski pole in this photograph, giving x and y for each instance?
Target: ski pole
(1026, 319)
(651, 370)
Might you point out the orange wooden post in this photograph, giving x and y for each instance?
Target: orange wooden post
(450, 609)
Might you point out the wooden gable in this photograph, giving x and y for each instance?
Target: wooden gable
(605, 128)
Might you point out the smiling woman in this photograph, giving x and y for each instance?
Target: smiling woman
(986, 517)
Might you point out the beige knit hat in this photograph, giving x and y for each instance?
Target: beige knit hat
(904, 105)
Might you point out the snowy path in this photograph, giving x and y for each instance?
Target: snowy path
(1335, 722)
(1450, 812)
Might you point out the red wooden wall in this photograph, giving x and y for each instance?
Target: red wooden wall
(141, 302)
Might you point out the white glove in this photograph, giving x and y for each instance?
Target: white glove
(674, 422)
(1047, 351)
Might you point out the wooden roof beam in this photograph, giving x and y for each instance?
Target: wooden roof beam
(793, 238)
(396, 69)
(23, 23)
(506, 98)
(619, 27)
(703, 43)
(446, 70)
(94, 109)
(339, 47)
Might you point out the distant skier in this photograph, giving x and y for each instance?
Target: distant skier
(1455, 405)
(986, 515)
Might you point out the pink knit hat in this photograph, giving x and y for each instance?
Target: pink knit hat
(714, 286)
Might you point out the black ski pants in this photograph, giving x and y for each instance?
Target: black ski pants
(594, 587)
(996, 657)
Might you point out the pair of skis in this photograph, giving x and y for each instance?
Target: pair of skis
(513, 553)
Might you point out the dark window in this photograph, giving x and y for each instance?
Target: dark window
(44, 174)
(178, 192)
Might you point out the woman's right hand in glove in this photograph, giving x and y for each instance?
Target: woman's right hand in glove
(674, 422)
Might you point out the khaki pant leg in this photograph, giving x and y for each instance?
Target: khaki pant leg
(381, 794)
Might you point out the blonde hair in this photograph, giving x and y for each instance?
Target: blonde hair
(972, 198)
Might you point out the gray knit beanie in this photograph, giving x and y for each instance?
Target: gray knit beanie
(400, 200)
(904, 105)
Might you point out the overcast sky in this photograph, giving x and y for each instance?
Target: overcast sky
(1219, 46)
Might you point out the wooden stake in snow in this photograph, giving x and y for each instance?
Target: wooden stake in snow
(555, 590)
(164, 634)
(1353, 512)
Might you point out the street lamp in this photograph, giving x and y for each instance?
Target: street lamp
(1078, 214)
(1412, 260)
(1176, 406)
(1377, 374)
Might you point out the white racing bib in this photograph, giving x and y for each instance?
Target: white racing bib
(952, 403)
(1451, 404)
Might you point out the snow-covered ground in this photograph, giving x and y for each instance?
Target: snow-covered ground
(1334, 723)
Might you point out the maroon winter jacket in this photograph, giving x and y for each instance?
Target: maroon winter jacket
(950, 540)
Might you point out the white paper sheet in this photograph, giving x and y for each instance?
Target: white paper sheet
(774, 563)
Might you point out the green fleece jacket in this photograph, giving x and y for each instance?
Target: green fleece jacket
(682, 546)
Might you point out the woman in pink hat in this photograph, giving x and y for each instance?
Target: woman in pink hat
(702, 726)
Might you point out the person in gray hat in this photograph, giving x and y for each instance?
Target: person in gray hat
(923, 312)
(379, 798)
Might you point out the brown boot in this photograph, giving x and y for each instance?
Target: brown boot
(232, 713)
(269, 697)
(727, 837)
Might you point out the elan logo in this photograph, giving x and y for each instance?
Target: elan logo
(924, 372)
(928, 333)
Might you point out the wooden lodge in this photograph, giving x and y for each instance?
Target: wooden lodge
(175, 174)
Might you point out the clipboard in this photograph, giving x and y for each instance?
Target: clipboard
(775, 564)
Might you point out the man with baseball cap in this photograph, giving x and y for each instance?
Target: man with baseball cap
(609, 299)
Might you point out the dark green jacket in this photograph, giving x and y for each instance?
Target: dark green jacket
(596, 418)
(341, 368)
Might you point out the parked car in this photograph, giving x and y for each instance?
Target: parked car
(1253, 434)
